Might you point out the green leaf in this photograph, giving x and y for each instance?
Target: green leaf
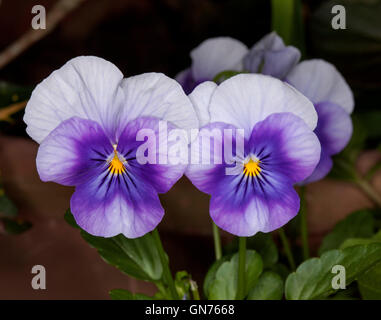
(224, 75)
(10, 93)
(263, 243)
(138, 257)
(7, 208)
(69, 218)
(312, 279)
(268, 287)
(122, 294)
(358, 224)
(211, 274)
(15, 226)
(350, 242)
(224, 285)
(370, 283)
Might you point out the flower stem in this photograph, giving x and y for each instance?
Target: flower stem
(241, 269)
(286, 246)
(194, 290)
(164, 262)
(303, 224)
(217, 242)
(367, 188)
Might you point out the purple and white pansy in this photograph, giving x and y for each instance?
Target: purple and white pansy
(318, 80)
(280, 150)
(86, 116)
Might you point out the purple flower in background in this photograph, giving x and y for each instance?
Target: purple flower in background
(270, 56)
(319, 81)
(85, 116)
(280, 149)
(211, 57)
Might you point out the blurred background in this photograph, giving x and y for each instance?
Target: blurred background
(144, 36)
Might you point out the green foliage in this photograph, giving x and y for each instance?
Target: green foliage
(122, 294)
(182, 283)
(268, 287)
(15, 226)
(138, 257)
(224, 75)
(312, 279)
(223, 282)
(262, 243)
(10, 93)
(358, 224)
(369, 283)
(288, 23)
(7, 208)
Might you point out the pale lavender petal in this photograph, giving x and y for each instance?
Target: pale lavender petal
(272, 57)
(215, 55)
(86, 87)
(320, 81)
(246, 99)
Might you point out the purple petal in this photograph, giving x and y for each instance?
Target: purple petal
(286, 145)
(322, 169)
(72, 151)
(334, 130)
(107, 202)
(270, 56)
(287, 150)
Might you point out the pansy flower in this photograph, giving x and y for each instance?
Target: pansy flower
(318, 80)
(86, 117)
(211, 57)
(271, 56)
(280, 150)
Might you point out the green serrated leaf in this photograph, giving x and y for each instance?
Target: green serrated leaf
(224, 285)
(350, 242)
(268, 287)
(357, 224)
(122, 294)
(211, 274)
(312, 279)
(138, 257)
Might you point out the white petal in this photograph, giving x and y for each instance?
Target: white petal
(200, 98)
(215, 55)
(320, 81)
(156, 95)
(87, 87)
(246, 99)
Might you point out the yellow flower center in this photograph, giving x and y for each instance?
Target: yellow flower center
(115, 165)
(252, 168)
